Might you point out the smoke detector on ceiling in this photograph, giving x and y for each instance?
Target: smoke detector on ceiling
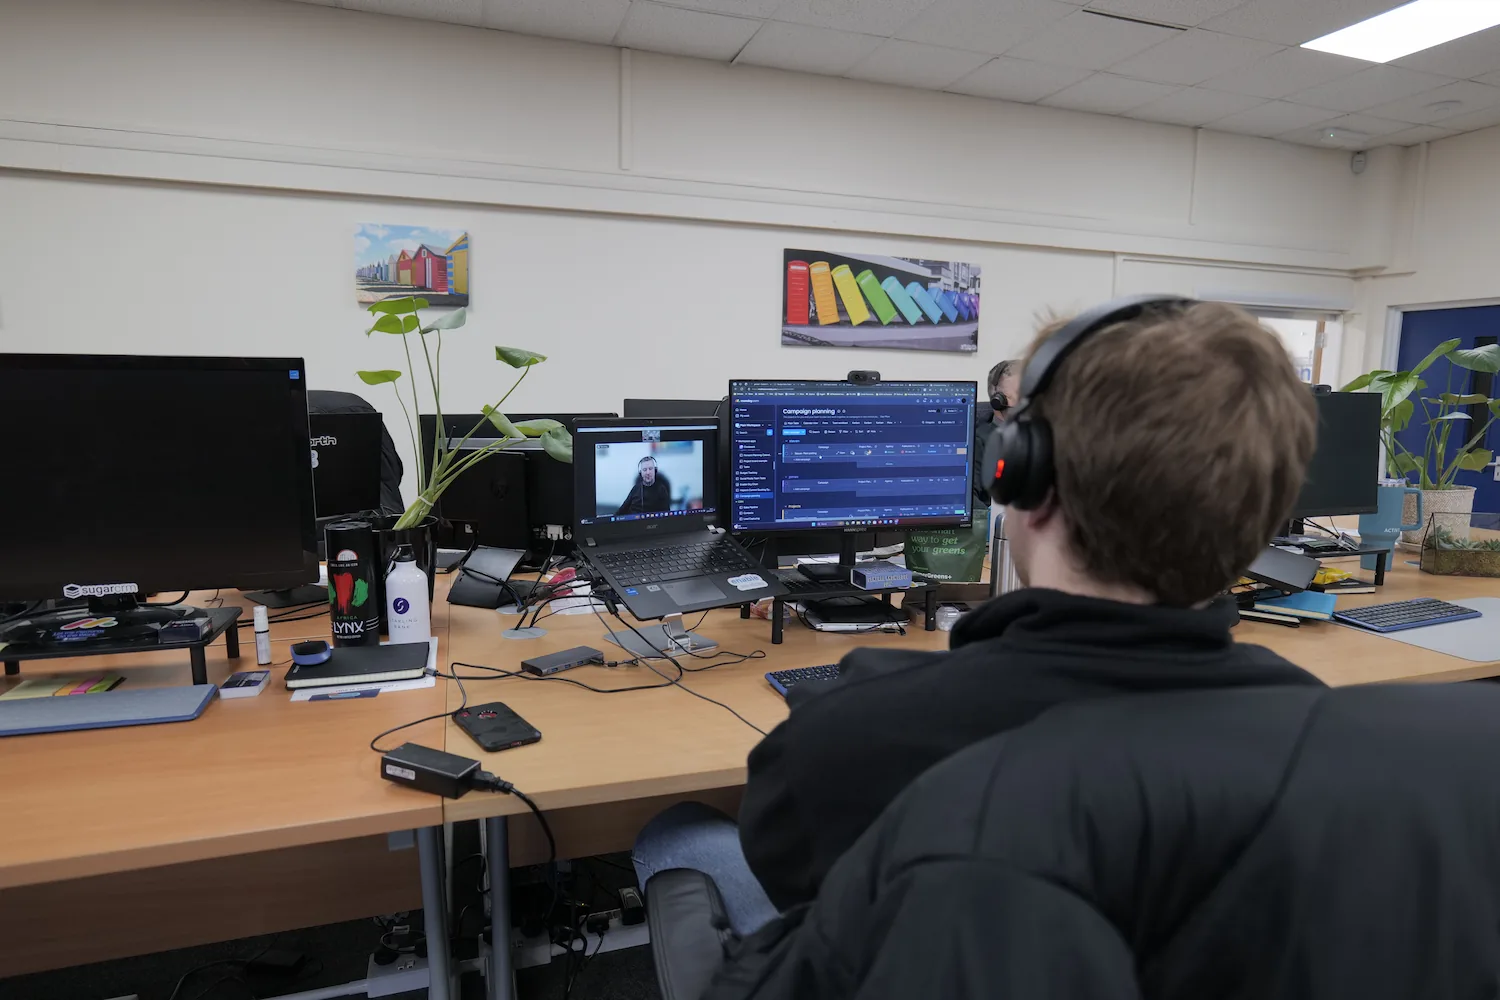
(1342, 136)
(1442, 109)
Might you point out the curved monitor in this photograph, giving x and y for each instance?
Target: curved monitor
(807, 455)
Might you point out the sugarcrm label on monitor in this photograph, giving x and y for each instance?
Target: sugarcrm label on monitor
(72, 590)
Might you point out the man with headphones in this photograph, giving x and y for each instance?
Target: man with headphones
(650, 493)
(1004, 386)
(1155, 445)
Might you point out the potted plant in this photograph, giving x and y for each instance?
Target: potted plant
(1443, 455)
(401, 317)
(1446, 554)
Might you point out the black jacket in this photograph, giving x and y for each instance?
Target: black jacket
(1283, 842)
(644, 499)
(850, 746)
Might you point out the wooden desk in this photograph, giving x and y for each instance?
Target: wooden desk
(1340, 655)
(261, 779)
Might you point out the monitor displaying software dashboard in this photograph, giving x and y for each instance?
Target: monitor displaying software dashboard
(817, 455)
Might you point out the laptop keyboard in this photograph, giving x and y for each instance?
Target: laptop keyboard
(677, 562)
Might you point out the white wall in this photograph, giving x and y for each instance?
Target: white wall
(184, 175)
(1445, 250)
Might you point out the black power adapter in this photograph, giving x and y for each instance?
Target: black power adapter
(428, 770)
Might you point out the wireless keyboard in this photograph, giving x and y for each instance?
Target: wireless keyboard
(1399, 615)
(784, 680)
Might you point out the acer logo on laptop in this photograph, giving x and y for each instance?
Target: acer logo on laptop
(74, 590)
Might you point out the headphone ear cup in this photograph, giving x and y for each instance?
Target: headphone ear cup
(999, 402)
(1005, 461)
(1039, 470)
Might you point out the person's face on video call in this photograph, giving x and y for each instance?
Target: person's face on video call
(648, 471)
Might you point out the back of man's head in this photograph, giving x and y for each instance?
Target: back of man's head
(1180, 441)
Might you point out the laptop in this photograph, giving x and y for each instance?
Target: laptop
(346, 462)
(646, 496)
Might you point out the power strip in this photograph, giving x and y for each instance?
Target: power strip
(538, 950)
(406, 974)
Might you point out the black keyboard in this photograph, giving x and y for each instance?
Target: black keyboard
(1401, 615)
(676, 562)
(784, 680)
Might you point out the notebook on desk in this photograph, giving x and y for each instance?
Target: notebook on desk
(405, 661)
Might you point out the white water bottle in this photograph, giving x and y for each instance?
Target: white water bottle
(408, 616)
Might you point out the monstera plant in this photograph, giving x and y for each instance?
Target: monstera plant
(1453, 442)
(401, 317)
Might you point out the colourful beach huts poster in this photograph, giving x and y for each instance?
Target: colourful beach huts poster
(392, 261)
(834, 299)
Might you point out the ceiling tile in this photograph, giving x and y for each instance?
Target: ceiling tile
(452, 11)
(1419, 111)
(1194, 106)
(870, 17)
(740, 8)
(1493, 79)
(805, 49)
(1193, 56)
(1090, 41)
(1368, 88)
(1272, 118)
(595, 21)
(912, 64)
(1287, 72)
(1474, 120)
(1105, 94)
(1183, 12)
(983, 25)
(1469, 56)
(1010, 79)
(1292, 22)
(1421, 133)
(679, 32)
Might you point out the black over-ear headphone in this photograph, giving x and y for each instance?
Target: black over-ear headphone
(1021, 446)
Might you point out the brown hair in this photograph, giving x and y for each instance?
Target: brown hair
(1180, 440)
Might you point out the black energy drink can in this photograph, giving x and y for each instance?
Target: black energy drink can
(353, 591)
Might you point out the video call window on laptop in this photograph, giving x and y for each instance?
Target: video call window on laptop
(646, 472)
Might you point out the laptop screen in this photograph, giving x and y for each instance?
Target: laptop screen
(644, 473)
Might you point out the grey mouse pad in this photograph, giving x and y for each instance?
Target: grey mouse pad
(694, 591)
(1471, 639)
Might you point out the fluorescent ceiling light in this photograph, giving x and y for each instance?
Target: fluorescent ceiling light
(1416, 26)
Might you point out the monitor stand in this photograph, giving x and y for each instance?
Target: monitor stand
(131, 621)
(660, 641)
(310, 593)
(834, 572)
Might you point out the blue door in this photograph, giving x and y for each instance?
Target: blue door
(1475, 326)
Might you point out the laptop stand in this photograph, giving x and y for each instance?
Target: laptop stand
(666, 639)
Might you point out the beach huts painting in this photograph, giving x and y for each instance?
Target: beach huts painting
(394, 261)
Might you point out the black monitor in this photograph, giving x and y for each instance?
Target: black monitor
(197, 476)
(653, 408)
(513, 501)
(346, 462)
(1344, 474)
(813, 456)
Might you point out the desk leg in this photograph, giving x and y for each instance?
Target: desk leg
(778, 612)
(1385, 556)
(930, 609)
(497, 862)
(200, 665)
(12, 667)
(435, 913)
(232, 641)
